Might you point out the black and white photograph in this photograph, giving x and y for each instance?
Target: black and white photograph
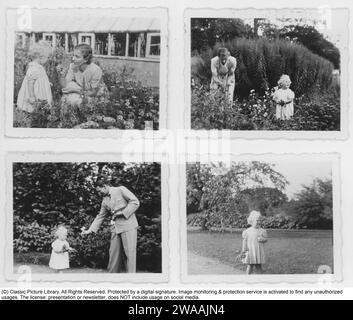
(87, 218)
(271, 216)
(268, 70)
(87, 69)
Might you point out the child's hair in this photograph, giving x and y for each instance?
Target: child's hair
(86, 52)
(40, 48)
(284, 79)
(254, 216)
(61, 230)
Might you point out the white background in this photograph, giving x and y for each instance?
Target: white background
(176, 94)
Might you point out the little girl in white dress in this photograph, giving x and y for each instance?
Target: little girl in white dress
(35, 85)
(59, 259)
(253, 249)
(284, 97)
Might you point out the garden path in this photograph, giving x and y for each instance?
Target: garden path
(198, 265)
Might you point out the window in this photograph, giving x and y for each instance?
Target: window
(118, 44)
(50, 37)
(153, 45)
(101, 44)
(87, 38)
(137, 45)
(133, 45)
(72, 41)
(38, 37)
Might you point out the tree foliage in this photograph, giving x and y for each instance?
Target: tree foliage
(206, 32)
(222, 192)
(314, 207)
(306, 35)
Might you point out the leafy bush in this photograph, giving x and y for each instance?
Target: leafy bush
(31, 237)
(318, 111)
(127, 104)
(207, 222)
(49, 194)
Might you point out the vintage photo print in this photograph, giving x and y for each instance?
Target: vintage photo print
(85, 69)
(279, 71)
(86, 218)
(262, 218)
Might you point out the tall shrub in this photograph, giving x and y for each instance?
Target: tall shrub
(261, 62)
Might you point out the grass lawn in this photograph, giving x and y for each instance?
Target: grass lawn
(287, 252)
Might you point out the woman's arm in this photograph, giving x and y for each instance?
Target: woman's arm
(95, 82)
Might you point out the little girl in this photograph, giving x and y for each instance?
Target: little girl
(35, 85)
(284, 97)
(253, 249)
(59, 259)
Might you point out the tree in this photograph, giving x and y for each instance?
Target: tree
(314, 208)
(264, 199)
(206, 32)
(315, 41)
(306, 35)
(220, 193)
(198, 176)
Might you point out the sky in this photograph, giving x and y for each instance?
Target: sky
(333, 23)
(297, 172)
(300, 173)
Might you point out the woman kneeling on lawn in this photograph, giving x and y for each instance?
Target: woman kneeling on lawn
(254, 238)
(83, 79)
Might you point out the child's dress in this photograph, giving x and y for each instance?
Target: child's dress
(42, 89)
(255, 249)
(59, 259)
(286, 111)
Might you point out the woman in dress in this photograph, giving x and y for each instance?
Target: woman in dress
(82, 80)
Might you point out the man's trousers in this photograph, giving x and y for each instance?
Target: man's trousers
(122, 252)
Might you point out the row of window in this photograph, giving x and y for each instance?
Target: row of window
(120, 44)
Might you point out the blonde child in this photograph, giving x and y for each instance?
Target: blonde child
(35, 85)
(284, 97)
(59, 259)
(253, 249)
